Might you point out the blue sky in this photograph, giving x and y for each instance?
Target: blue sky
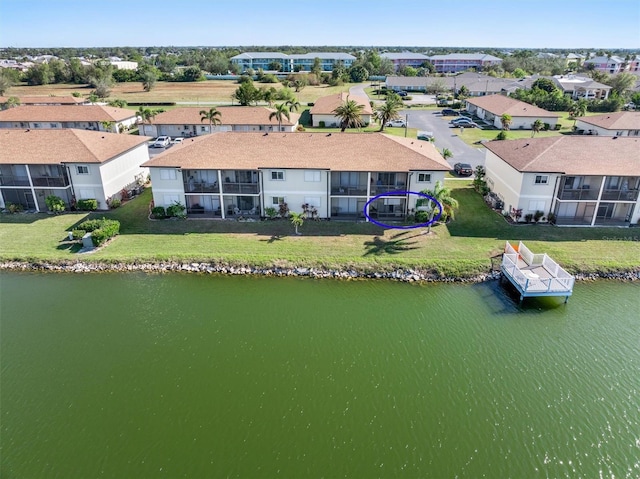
(464, 23)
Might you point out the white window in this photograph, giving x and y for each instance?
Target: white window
(171, 199)
(277, 175)
(277, 200)
(82, 169)
(424, 177)
(536, 205)
(310, 175)
(542, 179)
(167, 174)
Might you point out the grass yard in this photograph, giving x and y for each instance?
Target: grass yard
(463, 247)
(209, 91)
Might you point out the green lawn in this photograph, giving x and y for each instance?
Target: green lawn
(463, 247)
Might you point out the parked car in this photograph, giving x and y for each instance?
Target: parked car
(396, 123)
(402, 93)
(450, 112)
(161, 142)
(178, 140)
(463, 169)
(465, 122)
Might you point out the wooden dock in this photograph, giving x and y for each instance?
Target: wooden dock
(535, 274)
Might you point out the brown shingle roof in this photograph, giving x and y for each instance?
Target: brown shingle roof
(326, 104)
(61, 113)
(622, 120)
(340, 152)
(229, 115)
(500, 105)
(47, 100)
(571, 155)
(63, 146)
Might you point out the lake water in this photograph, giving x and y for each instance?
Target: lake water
(187, 376)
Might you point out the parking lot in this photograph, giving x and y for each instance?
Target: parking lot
(445, 135)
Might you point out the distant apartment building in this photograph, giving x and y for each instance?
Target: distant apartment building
(610, 65)
(458, 62)
(405, 59)
(291, 63)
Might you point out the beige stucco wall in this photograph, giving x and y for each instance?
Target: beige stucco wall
(124, 170)
(162, 189)
(89, 186)
(296, 190)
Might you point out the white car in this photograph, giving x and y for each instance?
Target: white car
(178, 140)
(161, 142)
(396, 123)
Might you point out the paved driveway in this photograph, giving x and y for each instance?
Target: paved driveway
(445, 136)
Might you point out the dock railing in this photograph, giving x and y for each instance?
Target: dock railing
(559, 282)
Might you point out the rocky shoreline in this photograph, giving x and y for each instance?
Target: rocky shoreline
(408, 275)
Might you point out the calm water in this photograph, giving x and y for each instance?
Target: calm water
(134, 376)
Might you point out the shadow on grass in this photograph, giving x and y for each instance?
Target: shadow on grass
(379, 246)
(70, 246)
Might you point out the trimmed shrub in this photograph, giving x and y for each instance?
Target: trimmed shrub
(90, 225)
(115, 203)
(87, 205)
(78, 234)
(422, 216)
(98, 237)
(502, 135)
(321, 124)
(159, 212)
(110, 227)
(176, 210)
(55, 203)
(101, 230)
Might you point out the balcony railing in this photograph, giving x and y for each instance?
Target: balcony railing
(378, 189)
(578, 194)
(50, 181)
(199, 187)
(620, 195)
(359, 190)
(9, 180)
(240, 188)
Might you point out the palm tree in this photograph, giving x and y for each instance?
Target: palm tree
(577, 110)
(297, 219)
(388, 111)
(506, 120)
(536, 126)
(293, 104)
(147, 114)
(213, 115)
(446, 153)
(442, 195)
(281, 112)
(350, 114)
